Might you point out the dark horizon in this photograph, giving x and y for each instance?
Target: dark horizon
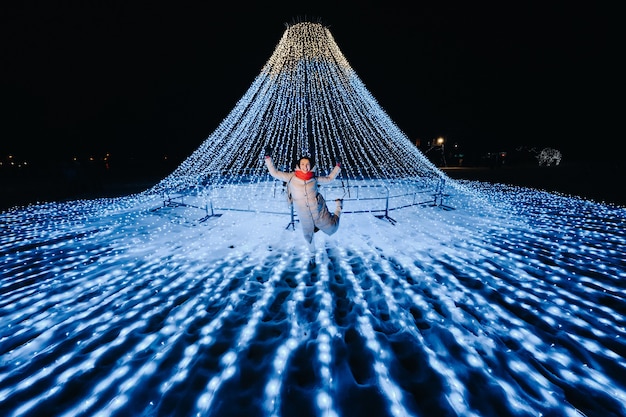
(131, 78)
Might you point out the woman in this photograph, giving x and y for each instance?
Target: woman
(307, 201)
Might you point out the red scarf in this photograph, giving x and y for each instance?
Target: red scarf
(304, 175)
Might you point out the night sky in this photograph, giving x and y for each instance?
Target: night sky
(152, 78)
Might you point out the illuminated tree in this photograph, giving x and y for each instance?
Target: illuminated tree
(307, 100)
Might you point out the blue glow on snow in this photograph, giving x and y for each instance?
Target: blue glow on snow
(494, 308)
(509, 303)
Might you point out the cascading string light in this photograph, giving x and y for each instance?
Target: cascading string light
(307, 100)
(460, 295)
(105, 293)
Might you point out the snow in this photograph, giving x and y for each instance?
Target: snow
(506, 301)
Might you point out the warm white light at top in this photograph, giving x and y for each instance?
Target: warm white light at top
(306, 100)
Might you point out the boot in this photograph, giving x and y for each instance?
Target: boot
(339, 207)
(312, 254)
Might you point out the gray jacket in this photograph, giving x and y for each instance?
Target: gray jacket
(308, 203)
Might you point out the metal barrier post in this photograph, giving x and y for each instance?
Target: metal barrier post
(387, 204)
(386, 215)
(292, 223)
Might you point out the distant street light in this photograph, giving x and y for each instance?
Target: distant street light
(440, 143)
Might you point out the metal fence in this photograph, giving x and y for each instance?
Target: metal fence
(375, 196)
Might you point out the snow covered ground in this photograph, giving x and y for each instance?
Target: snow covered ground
(511, 304)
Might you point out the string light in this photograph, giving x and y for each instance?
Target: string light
(131, 307)
(307, 100)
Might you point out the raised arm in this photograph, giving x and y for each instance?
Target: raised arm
(279, 175)
(336, 170)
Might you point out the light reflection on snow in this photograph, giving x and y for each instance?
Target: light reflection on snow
(511, 306)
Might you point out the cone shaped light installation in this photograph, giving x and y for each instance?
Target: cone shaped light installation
(307, 100)
(510, 306)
